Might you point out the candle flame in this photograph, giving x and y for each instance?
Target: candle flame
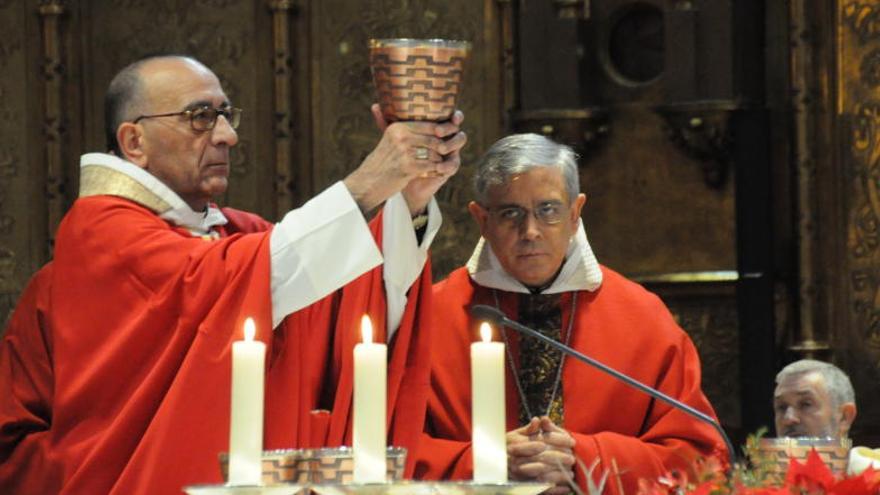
(486, 332)
(367, 330)
(249, 329)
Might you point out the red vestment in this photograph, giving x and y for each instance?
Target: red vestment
(26, 386)
(621, 325)
(142, 316)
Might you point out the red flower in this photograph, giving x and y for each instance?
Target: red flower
(813, 476)
(867, 483)
(816, 477)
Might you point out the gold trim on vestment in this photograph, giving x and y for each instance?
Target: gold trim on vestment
(99, 180)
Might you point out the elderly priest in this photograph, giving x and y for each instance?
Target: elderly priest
(534, 263)
(115, 370)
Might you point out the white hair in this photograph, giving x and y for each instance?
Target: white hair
(519, 153)
(836, 381)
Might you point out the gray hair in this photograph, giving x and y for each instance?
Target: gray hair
(519, 153)
(836, 382)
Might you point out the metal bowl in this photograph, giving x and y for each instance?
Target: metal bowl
(324, 465)
(777, 452)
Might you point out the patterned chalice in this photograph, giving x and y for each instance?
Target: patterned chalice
(418, 79)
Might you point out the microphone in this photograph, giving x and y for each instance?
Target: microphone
(488, 313)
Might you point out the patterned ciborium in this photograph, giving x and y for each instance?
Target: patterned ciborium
(323, 465)
(418, 79)
(776, 453)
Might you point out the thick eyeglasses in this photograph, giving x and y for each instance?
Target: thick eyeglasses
(549, 213)
(202, 118)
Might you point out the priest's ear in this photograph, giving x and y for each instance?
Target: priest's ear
(575, 211)
(131, 141)
(847, 416)
(480, 214)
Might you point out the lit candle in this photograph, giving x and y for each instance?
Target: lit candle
(246, 430)
(369, 407)
(487, 409)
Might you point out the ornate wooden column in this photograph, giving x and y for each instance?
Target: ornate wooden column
(54, 123)
(508, 61)
(857, 112)
(811, 337)
(15, 127)
(282, 104)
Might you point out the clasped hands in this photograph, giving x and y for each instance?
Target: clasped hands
(541, 451)
(416, 158)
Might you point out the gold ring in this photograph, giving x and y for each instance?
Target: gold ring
(432, 173)
(421, 153)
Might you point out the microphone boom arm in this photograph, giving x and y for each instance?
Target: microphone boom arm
(482, 311)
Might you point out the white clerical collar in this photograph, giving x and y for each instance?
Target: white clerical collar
(165, 202)
(579, 272)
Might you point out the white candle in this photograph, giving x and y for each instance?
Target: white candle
(487, 409)
(369, 407)
(246, 429)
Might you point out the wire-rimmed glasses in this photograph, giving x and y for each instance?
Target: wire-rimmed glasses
(202, 118)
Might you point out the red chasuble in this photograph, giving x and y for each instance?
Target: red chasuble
(26, 386)
(621, 325)
(141, 321)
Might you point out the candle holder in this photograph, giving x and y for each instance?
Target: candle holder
(430, 488)
(282, 489)
(474, 488)
(323, 465)
(392, 488)
(777, 452)
(861, 458)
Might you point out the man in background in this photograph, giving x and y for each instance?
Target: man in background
(534, 264)
(813, 399)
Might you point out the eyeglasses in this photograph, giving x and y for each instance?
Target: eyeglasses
(203, 118)
(548, 213)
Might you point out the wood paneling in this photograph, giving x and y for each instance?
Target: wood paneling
(646, 199)
(856, 333)
(707, 310)
(23, 193)
(298, 68)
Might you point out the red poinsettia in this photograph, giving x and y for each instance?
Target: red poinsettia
(813, 477)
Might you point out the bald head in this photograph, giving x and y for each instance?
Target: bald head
(170, 116)
(128, 93)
